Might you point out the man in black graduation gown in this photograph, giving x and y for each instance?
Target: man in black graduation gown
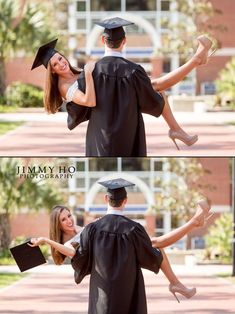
(113, 249)
(123, 92)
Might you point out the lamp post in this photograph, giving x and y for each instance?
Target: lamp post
(233, 209)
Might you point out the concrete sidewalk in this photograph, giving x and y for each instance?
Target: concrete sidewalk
(51, 290)
(47, 135)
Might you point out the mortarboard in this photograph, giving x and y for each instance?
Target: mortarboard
(27, 257)
(44, 54)
(113, 28)
(116, 188)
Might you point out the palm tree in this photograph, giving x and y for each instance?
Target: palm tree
(17, 193)
(24, 25)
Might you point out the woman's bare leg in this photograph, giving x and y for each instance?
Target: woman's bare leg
(197, 220)
(167, 270)
(175, 284)
(168, 115)
(177, 75)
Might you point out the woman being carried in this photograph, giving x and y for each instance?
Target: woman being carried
(62, 85)
(65, 238)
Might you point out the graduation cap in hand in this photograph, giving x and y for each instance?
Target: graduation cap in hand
(116, 188)
(44, 54)
(113, 28)
(27, 257)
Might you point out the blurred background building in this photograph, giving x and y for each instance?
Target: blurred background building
(145, 39)
(148, 201)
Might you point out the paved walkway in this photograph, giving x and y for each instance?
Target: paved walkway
(47, 135)
(51, 290)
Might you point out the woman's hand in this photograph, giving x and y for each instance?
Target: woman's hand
(89, 66)
(37, 241)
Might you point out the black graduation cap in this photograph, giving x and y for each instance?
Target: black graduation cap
(113, 28)
(27, 257)
(44, 54)
(116, 188)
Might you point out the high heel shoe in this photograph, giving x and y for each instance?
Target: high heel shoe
(187, 139)
(204, 215)
(187, 293)
(207, 44)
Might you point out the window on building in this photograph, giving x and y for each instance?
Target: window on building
(80, 166)
(80, 183)
(105, 5)
(158, 165)
(159, 225)
(81, 23)
(165, 5)
(103, 164)
(135, 164)
(81, 6)
(166, 66)
(140, 5)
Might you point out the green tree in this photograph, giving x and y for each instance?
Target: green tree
(24, 25)
(181, 188)
(190, 18)
(225, 84)
(219, 239)
(17, 193)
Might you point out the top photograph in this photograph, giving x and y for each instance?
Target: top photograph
(117, 78)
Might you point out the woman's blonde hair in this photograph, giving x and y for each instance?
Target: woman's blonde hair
(56, 234)
(52, 98)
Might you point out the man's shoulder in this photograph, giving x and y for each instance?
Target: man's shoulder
(118, 62)
(122, 223)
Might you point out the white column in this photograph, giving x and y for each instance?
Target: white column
(175, 58)
(167, 222)
(72, 189)
(119, 164)
(72, 28)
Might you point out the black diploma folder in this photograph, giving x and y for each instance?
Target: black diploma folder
(27, 257)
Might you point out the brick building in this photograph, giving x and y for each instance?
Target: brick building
(148, 174)
(77, 18)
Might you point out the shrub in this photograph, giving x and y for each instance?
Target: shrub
(24, 95)
(219, 239)
(225, 84)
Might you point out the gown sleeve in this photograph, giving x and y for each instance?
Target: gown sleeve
(148, 257)
(149, 101)
(82, 260)
(76, 113)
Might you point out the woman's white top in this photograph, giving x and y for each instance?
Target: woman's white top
(70, 92)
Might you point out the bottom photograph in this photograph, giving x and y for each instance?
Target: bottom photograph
(117, 235)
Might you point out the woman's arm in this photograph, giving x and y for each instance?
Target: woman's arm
(88, 98)
(66, 249)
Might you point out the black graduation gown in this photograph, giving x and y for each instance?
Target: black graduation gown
(113, 250)
(123, 92)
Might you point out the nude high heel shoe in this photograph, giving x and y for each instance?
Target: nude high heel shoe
(187, 293)
(202, 214)
(187, 139)
(207, 44)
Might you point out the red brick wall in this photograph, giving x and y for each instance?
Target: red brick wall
(30, 225)
(226, 39)
(18, 69)
(219, 178)
(227, 7)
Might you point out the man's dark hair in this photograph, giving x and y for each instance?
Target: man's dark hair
(116, 203)
(113, 44)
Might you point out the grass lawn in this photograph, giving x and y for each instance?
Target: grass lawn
(6, 126)
(228, 277)
(7, 279)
